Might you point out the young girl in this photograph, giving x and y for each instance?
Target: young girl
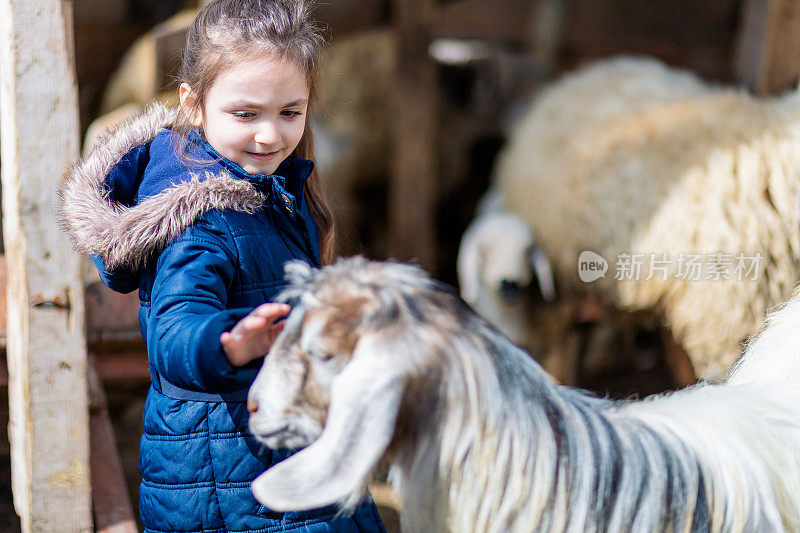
(199, 210)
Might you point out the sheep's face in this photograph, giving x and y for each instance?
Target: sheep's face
(290, 397)
(504, 252)
(498, 258)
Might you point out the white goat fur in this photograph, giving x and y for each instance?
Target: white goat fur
(630, 156)
(379, 361)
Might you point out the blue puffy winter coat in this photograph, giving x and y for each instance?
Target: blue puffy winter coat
(204, 243)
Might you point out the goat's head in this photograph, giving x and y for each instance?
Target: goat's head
(336, 377)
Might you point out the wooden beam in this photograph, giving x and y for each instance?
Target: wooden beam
(347, 16)
(48, 399)
(768, 46)
(126, 366)
(502, 20)
(546, 32)
(112, 507)
(115, 368)
(412, 191)
(112, 318)
(169, 39)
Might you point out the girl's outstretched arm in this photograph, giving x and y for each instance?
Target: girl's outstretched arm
(189, 311)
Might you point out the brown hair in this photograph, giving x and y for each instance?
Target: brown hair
(226, 31)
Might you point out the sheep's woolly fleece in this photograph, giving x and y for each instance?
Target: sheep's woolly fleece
(127, 236)
(629, 156)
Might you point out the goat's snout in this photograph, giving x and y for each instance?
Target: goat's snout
(252, 405)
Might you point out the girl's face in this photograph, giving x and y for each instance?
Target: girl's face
(254, 113)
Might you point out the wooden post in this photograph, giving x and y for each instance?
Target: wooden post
(499, 20)
(546, 28)
(346, 16)
(112, 507)
(48, 397)
(412, 192)
(767, 58)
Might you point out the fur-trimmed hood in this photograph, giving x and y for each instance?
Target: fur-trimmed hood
(109, 208)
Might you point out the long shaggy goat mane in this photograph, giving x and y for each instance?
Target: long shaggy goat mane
(379, 361)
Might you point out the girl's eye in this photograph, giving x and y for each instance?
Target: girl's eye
(291, 113)
(243, 114)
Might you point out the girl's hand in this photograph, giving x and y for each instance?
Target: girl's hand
(253, 335)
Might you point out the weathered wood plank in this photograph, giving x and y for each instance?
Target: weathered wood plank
(412, 191)
(346, 16)
(112, 318)
(503, 20)
(546, 30)
(112, 508)
(48, 400)
(768, 46)
(115, 368)
(686, 33)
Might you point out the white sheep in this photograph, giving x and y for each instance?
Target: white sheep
(644, 164)
(379, 361)
(500, 269)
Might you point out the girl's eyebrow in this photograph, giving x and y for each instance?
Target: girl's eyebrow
(294, 103)
(242, 103)
(249, 103)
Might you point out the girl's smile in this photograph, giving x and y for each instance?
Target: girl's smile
(254, 112)
(265, 156)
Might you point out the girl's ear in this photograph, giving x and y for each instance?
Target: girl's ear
(188, 101)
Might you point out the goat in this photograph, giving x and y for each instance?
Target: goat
(379, 361)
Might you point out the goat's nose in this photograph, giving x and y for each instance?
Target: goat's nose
(252, 405)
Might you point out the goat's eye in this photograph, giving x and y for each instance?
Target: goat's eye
(320, 354)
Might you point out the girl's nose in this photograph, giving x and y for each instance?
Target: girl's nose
(267, 133)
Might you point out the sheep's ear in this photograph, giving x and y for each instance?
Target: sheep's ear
(544, 273)
(469, 264)
(365, 399)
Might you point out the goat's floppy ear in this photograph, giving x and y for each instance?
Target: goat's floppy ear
(365, 398)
